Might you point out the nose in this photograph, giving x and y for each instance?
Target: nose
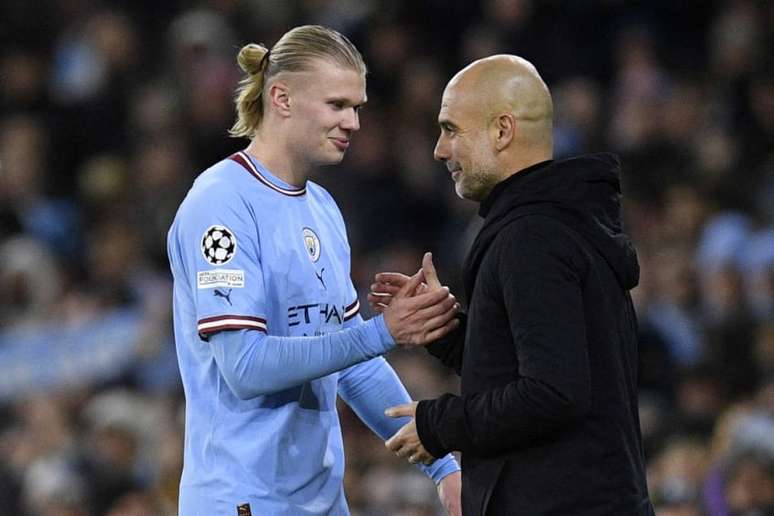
(351, 121)
(441, 151)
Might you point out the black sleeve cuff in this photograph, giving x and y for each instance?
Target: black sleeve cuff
(427, 429)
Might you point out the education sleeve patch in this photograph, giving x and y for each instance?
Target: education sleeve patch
(231, 278)
(218, 245)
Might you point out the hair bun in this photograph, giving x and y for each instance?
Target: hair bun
(250, 58)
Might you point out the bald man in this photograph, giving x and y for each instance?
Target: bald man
(547, 419)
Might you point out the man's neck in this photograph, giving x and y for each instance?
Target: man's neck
(499, 188)
(280, 161)
(516, 165)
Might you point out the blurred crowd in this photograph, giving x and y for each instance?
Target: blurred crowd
(109, 110)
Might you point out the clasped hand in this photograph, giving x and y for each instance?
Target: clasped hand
(417, 309)
(405, 443)
(390, 289)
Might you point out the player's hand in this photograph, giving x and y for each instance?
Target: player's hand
(384, 288)
(405, 443)
(387, 284)
(450, 493)
(417, 319)
(428, 270)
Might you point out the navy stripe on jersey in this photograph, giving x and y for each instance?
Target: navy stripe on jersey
(230, 322)
(352, 310)
(242, 159)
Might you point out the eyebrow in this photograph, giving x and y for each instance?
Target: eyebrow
(345, 100)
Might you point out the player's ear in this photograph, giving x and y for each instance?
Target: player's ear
(503, 130)
(279, 98)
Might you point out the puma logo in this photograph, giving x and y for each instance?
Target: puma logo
(319, 277)
(224, 295)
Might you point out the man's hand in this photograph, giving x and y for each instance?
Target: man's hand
(384, 288)
(450, 493)
(405, 443)
(417, 319)
(387, 284)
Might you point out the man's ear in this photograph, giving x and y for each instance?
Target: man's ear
(504, 130)
(279, 98)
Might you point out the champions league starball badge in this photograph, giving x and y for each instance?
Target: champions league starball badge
(218, 245)
(311, 244)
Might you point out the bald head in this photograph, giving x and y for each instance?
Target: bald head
(502, 84)
(496, 119)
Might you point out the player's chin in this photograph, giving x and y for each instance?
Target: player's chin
(332, 158)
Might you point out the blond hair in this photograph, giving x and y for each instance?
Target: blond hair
(294, 52)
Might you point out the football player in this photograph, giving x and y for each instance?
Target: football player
(267, 323)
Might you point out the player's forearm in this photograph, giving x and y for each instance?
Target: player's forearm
(254, 364)
(371, 387)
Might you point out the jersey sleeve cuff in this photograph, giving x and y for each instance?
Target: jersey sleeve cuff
(352, 310)
(439, 469)
(383, 338)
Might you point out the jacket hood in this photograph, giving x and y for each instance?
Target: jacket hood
(584, 193)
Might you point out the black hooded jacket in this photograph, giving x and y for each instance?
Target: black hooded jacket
(547, 419)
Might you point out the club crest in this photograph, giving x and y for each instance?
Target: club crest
(311, 244)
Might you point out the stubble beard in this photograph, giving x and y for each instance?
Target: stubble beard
(477, 184)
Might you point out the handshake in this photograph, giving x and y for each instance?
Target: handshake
(417, 309)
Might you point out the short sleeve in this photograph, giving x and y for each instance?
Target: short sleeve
(219, 243)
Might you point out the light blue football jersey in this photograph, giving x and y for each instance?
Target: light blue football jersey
(251, 252)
